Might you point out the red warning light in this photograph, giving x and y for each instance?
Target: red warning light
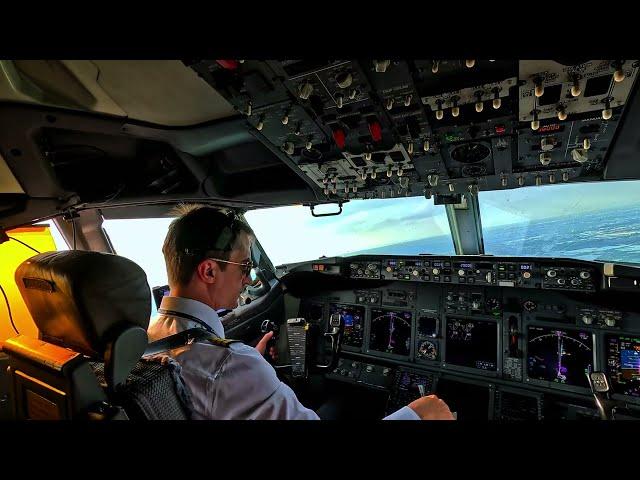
(375, 130)
(228, 64)
(339, 137)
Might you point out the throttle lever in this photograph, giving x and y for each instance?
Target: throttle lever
(336, 329)
(601, 391)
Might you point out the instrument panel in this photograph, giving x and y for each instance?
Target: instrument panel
(389, 128)
(529, 344)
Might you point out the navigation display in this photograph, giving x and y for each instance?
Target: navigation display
(623, 364)
(560, 356)
(353, 317)
(472, 343)
(390, 331)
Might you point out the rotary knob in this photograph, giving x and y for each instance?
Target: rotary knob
(389, 269)
(369, 368)
(381, 65)
(435, 271)
(415, 273)
(526, 275)
(575, 282)
(344, 79)
(552, 273)
(585, 275)
(610, 321)
(587, 319)
(461, 272)
(288, 148)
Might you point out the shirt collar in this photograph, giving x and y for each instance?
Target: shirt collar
(196, 309)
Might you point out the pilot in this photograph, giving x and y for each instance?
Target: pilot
(208, 259)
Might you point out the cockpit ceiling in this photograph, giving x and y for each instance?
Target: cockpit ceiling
(104, 133)
(161, 92)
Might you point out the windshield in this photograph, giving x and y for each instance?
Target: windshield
(589, 221)
(400, 226)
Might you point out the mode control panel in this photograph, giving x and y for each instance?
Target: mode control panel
(567, 278)
(395, 269)
(364, 270)
(601, 318)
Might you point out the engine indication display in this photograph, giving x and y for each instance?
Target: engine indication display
(390, 331)
(353, 317)
(623, 364)
(472, 343)
(560, 356)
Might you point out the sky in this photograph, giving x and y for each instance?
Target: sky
(291, 234)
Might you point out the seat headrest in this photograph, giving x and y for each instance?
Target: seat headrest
(85, 300)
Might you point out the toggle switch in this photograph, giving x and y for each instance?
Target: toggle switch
(497, 101)
(535, 123)
(455, 110)
(538, 89)
(305, 90)
(479, 104)
(562, 114)
(607, 113)
(389, 103)
(575, 87)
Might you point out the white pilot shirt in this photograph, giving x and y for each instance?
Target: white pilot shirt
(234, 382)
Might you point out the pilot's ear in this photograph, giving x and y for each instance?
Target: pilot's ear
(207, 271)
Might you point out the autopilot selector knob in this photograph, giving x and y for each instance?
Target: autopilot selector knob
(575, 282)
(461, 273)
(552, 273)
(585, 275)
(435, 271)
(587, 319)
(610, 321)
(389, 269)
(415, 273)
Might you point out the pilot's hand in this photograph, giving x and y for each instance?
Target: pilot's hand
(431, 408)
(261, 347)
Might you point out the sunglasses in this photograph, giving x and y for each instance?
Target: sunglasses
(246, 266)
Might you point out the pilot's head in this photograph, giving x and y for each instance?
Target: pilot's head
(208, 255)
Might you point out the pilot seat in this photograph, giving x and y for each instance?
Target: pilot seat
(92, 311)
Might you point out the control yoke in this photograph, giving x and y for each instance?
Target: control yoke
(298, 343)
